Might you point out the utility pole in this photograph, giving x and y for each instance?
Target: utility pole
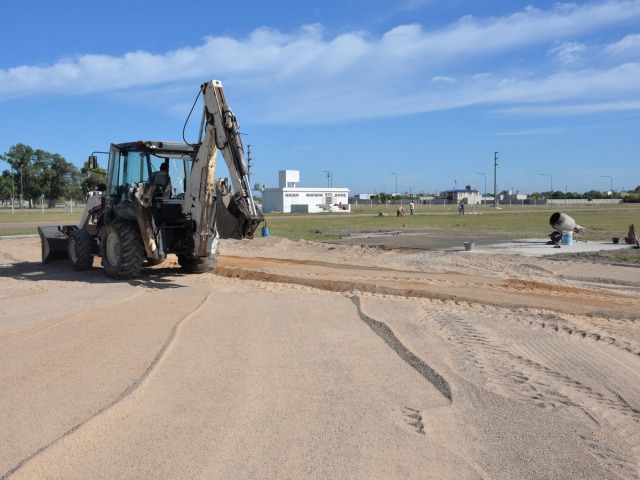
(495, 179)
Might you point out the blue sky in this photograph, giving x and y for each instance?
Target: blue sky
(427, 90)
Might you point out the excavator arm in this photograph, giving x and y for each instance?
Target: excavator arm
(211, 205)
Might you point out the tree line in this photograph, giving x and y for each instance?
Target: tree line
(36, 174)
(631, 196)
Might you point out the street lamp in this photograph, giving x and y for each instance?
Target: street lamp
(329, 178)
(484, 200)
(610, 183)
(495, 179)
(21, 190)
(551, 178)
(13, 192)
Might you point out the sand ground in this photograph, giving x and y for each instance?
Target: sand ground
(308, 360)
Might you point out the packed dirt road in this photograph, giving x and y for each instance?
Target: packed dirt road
(308, 360)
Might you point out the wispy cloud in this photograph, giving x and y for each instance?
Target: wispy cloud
(442, 78)
(582, 109)
(629, 45)
(303, 76)
(568, 52)
(533, 131)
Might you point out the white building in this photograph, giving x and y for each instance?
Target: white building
(288, 197)
(469, 195)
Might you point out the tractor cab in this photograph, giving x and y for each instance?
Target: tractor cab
(165, 164)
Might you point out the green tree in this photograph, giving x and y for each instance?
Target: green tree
(593, 194)
(92, 178)
(39, 172)
(60, 179)
(5, 186)
(18, 158)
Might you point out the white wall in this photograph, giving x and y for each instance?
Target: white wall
(316, 199)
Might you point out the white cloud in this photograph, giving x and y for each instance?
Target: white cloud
(568, 52)
(629, 45)
(533, 131)
(582, 109)
(441, 78)
(304, 76)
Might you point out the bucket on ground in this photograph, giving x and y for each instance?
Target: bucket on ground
(265, 232)
(567, 238)
(469, 245)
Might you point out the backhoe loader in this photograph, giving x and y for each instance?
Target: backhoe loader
(162, 198)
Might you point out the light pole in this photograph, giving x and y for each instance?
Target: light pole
(495, 179)
(21, 191)
(610, 183)
(484, 200)
(396, 182)
(551, 177)
(329, 178)
(13, 192)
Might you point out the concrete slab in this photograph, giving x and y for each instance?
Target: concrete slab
(482, 243)
(539, 247)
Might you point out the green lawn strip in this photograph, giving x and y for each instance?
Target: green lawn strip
(37, 215)
(602, 222)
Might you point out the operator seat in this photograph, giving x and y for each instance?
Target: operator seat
(161, 182)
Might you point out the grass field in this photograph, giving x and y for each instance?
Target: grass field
(601, 222)
(28, 217)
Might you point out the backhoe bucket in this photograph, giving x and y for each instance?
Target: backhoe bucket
(233, 216)
(54, 243)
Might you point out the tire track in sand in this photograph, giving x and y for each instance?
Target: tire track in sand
(125, 393)
(506, 369)
(386, 334)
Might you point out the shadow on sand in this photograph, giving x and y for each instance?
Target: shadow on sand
(157, 277)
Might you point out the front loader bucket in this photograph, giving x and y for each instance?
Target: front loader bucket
(54, 243)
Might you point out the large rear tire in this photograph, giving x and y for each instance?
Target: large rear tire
(199, 265)
(122, 251)
(81, 247)
(203, 264)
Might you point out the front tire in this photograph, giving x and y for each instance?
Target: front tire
(122, 251)
(81, 247)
